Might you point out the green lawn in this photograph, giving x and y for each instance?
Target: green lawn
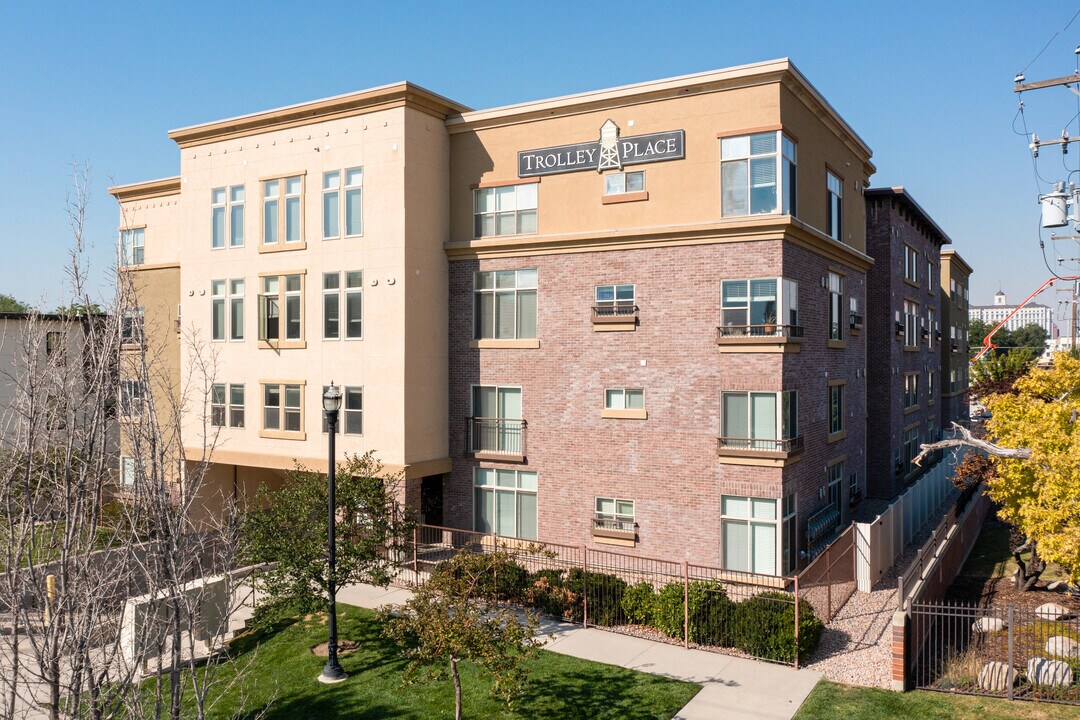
(831, 701)
(560, 687)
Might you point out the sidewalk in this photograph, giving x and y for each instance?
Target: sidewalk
(731, 687)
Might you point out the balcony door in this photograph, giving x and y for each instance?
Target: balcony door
(495, 404)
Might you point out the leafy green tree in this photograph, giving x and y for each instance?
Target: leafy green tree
(977, 332)
(457, 616)
(8, 304)
(1031, 336)
(79, 309)
(289, 527)
(997, 372)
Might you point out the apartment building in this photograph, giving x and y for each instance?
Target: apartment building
(1030, 314)
(955, 274)
(629, 317)
(904, 333)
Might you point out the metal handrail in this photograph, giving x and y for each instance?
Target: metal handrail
(763, 330)
(615, 310)
(503, 436)
(794, 444)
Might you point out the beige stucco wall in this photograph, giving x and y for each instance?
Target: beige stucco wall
(160, 216)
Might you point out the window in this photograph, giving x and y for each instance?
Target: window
(56, 347)
(280, 291)
(931, 326)
(127, 471)
(236, 309)
(749, 306)
(789, 539)
(505, 502)
(614, 514)
(910, 449)
(504, 304)
(911, 390)
(930, 386)
(283, 210)
(911, 324)
(132, 397)
(351, 418)
(282, 405)
(232, 322)
(131, 246)
(853, 486)
(217, 404)
(496, 424)
(758, 420)
(929, 275)
(131, 327)
(836, 409)
(614, 297)
(911, 264)
(334, 213)
(504, 210)
(217, 304)
(750, 166)
(236, 406)
(834, 211)
(748, 534)
(856, 318)
(624, 399)
(624, 182)
(835, 475)
(354, 287)
(836, 306)
(227, 207)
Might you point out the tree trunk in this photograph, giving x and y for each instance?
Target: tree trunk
(457, 686)
(1028, 574)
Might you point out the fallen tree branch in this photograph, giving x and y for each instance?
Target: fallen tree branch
(966, 439)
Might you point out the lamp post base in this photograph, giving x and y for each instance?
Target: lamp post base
(331, 675)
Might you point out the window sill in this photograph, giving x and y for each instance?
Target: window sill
(759, 344)
(614, 537)
(912, 283)
(838, 344)
(614, 325)
(130, 347)
(911, 348)
(627, 414)
(913, 408)
(497, 456)
(836, 436)
(283, 434)
(282, 247)
(494, 343)
(283, 345)
(625, 197)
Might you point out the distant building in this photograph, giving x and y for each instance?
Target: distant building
(1032, 313)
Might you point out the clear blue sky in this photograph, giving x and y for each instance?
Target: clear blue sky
(928, 85)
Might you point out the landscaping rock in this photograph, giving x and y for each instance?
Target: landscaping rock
(1063, 646)
(996, 677)
(1050, 673)
(1057, 585)
(988, 624)
(1053, 611)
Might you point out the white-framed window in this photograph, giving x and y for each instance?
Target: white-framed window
(911, 390)
(282, 407)
(750, 305)
(836, 409)
(620, 183)
(614, 514)
(624, 399)
(217, 310)
(127, 471)
(856, 319)
(353, 303)
(132, 398)
(505, 502)
(911, 324)
(236, 405)
(351, 420)
(504, 304)
(227, 405)
(836, 306)
(758, 420)
(227, 216)
(931, 325)
(236, 309)
(611, 296)
(754, 177)
(505, 210)
(281, 291)
(911, 264)
(497, 424)
(834, 211)
(132, 248)
(230, 322)
(931, 382)
(789, 533)
(349, 214)
(930, 275)
(835, 474)
(283, 210)
(131, 326)
(749, 534)
(218, 393)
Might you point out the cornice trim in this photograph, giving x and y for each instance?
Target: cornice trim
(147, 189)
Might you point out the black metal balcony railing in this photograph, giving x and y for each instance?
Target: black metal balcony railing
(615, 311)
(785, 445)
(612, 525)
(499, 436)
(770, 330)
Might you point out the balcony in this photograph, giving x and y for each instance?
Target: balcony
(759, 338)
(495, 438)
(779, 449)
(612, 529)
(614, 317)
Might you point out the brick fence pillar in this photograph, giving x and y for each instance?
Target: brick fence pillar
(899, 660)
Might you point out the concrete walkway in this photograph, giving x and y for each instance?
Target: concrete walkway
(731, 687)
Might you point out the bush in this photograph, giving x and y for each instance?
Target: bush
(765, 627)
(668, 613)
(604, 594)
(639, 603)
(500, 577)
(547, 592)
(712, 615)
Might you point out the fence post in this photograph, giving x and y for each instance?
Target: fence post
(796, 622)
(686, 604)
(415, 569)
(1009, 671)
(584, 586)
(828, 582)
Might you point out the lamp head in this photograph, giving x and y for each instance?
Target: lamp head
(331, 399)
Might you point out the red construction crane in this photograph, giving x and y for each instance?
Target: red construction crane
(987, 345)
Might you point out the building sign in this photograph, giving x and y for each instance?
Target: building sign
(610, 152)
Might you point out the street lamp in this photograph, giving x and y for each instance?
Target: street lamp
(332, 672)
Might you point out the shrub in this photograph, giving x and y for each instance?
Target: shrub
(604, 594)
(668, 610)
(499, 576)
(547, 592)
(639, 603)
(765, 627)
(711, 615)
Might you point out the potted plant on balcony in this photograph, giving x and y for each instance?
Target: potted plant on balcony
(770, 323)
